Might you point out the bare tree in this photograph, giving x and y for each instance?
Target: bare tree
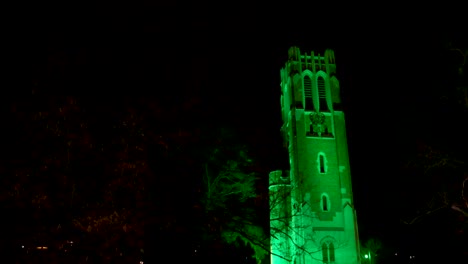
(455, 197)
(230, 198)
(232, 188)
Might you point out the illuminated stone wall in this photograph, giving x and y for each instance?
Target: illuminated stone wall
(319, 218)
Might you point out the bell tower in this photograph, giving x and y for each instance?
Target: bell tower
(312, 215)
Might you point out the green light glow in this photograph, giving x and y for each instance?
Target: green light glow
(311, 204)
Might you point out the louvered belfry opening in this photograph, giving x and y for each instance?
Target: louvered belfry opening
(322, 94)
(309, 105)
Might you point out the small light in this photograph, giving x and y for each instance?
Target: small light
(366, 256)
(141, 262)
(22, 246)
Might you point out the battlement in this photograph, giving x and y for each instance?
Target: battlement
(279, 178)
(311, 61)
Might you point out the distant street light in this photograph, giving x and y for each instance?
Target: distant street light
(368, 256)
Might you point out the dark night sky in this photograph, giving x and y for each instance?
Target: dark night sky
(386, 73)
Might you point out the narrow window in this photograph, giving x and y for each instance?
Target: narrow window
(328, 252)
(331, 252)
(324, 203)
(309, 105)
(325, 252)
(322, 164)
(322, 94)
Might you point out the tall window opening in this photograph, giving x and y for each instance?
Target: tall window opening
(322, 163)
(328, 252)
(309, 105)
(325, 253)
(322, 94)
(324, 203)
(331, 252)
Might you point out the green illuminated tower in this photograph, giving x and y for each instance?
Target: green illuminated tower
(312, 215)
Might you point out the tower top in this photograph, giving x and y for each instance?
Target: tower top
(328, 58)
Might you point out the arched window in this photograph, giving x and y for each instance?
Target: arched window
(322, 163)
(325, 202)
(328, 252)
(322, 94)
(309, 105)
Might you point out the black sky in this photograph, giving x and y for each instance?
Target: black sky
(386, 69)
